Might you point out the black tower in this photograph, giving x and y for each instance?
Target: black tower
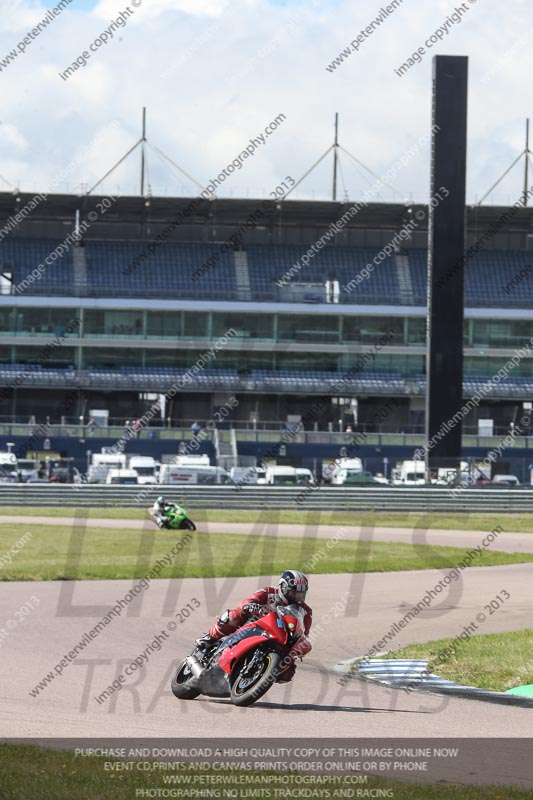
(444, 361)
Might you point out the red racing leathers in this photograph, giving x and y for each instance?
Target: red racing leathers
(268, 598)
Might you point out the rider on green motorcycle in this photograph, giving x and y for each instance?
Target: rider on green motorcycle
(162, 509)
(170, 515)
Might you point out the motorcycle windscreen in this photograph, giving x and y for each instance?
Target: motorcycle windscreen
(293, 619)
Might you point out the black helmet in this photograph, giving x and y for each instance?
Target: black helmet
(292, 587)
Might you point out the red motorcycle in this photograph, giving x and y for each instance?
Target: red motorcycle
(245, 664)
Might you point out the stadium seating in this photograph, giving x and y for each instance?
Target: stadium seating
(497, 278)
(372, 382)
(22, 256)
(286, 381)
(269, 264)
(167, 272)
(35, 375)
(109, 269)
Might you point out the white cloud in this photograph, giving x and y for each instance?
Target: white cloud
(197, 8)
(213, 74)
(11, 137)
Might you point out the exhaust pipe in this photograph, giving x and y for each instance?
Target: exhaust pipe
(194, 665)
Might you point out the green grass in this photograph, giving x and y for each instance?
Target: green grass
(495, 661)
(33, 773)
(518, 523)
(99, 553)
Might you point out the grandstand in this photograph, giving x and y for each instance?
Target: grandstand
(147, 313)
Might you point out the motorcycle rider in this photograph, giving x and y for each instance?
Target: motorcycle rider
(160, 508)
(291, 590)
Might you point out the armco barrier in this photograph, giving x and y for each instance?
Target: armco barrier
(327, 498)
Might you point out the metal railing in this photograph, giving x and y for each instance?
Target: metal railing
(114, 433)
(489, 500)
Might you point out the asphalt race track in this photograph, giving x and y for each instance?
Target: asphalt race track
(313, 704)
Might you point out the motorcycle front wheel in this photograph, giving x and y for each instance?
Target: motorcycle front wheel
(188, 524)
(180, 679)
(253, 678)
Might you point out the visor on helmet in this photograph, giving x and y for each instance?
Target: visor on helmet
(296, 595)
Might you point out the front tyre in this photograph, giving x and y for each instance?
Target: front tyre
(188, 524)
(254, 677)
(180, 678)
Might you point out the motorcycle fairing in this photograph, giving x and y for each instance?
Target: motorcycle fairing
(251, 629)
(246, 639)
(214, 680)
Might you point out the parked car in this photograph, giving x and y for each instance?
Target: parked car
(25, 469)
(506, 480)
(364, 479)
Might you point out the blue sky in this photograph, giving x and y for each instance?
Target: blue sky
(214, 73)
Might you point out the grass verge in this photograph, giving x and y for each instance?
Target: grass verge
(518, 523)
(33, 773)
(65, 553)
(495, 661)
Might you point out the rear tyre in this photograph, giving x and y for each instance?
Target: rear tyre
(246, 689)
(181, 677)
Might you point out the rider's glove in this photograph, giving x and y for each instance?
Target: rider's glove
(253, 608)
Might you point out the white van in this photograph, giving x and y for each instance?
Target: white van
(448, 475)
(122, 477)
(25, 469)
(173, 474)
(412, 473)
(248, 476)
(101, 463)
(145, 467)
(304, 476)
(281, 476)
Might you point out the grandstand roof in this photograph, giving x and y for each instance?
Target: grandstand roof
(132, 212)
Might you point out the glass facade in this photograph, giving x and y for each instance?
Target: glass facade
(367, 330)
(47, 322)
(325, 335)
(407, 366)
(308, 328)
(483, 365)
(416, 331)
(164, 324)
(113, 324)
(246, 326)
(196, 325)
(111, 357)
(301, 362)
(61, 357)
(298, 328)
(499, 333)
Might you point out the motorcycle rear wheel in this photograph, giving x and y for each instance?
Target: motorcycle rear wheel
(179, 687)
(244, 693)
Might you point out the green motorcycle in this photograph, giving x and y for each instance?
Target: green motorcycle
(172, 517)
